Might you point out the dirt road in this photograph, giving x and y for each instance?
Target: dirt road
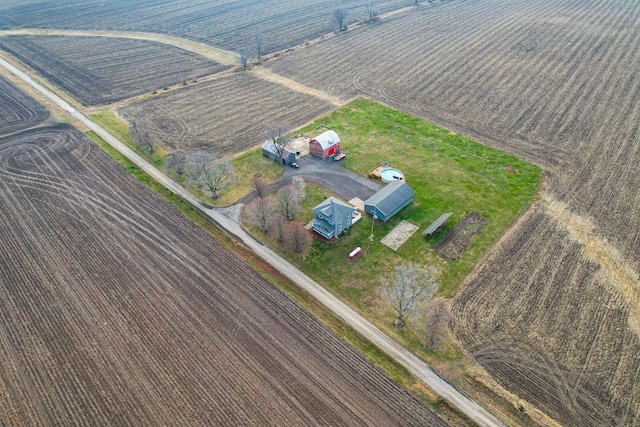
(420, 369)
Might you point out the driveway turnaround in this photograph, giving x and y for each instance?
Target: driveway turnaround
(417, 367)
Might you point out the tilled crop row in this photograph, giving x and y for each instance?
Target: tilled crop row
(229, 24)
(118, 310)
(17, 110)
(102, 70)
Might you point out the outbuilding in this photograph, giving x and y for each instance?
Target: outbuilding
(325, 145)
(332, 217)
(389, 200)
(270, 149)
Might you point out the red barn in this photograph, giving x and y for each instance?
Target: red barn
(325, 145)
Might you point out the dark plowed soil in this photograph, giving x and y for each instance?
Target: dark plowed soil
(455, 243)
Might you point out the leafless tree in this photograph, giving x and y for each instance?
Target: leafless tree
(139, 133)
(196, 164)
(278, 226)
(298, 183)
(259, 187)
(297, 238)
(277, 132)
(437, 321)
(218, 176)
(288, 202)
(339, 16)
(245, 56)
(175, 162)
(259, 40)
(371, 11)
(260, 213)
(410, 284)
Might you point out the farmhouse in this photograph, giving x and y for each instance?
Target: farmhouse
(332, 217)
(270, 149)
(389, 200)
(325, 145)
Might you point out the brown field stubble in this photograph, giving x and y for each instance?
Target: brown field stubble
(552, 313)
(116, 310)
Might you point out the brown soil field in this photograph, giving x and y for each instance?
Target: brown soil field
(17, 110)
(226, 115)
(229, 24)
(554, 312)
(116, 310)
(101, 70)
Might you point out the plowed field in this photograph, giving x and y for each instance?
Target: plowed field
(17, 110)
(554, 312)
(115, 310)
(101, 70)
(227, 115)
(228, 24)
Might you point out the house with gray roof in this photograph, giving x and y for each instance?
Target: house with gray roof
(332, 217)
(389, 200)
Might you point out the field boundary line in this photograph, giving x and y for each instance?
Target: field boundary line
(272, 77)
(412, 363)
(215, 54)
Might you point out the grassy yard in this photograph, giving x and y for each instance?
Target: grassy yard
(450, 173)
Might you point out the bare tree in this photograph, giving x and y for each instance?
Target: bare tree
(277, 132)
(371, 11)
(175, 162)
(259, 40)
(196, 165)
(217, 177)
(279, 226)
(298, 183)
(259, 186)
(245, 56)
(297, 238)
(260, 213)
(288, 202)
(409, 285)
(139, 133)
(339, 16)
(437, 321)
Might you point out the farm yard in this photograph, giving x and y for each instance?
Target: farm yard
(100, 70)
(229, 24)
(225, 115)
(552, 312)
(17, 110)
(116, 310)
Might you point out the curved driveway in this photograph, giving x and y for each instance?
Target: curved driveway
(416, 366)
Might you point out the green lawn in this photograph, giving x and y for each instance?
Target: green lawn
(450, 173)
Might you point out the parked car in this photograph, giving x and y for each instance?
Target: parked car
(294, 165)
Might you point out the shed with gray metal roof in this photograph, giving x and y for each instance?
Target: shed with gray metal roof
(389, 200)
